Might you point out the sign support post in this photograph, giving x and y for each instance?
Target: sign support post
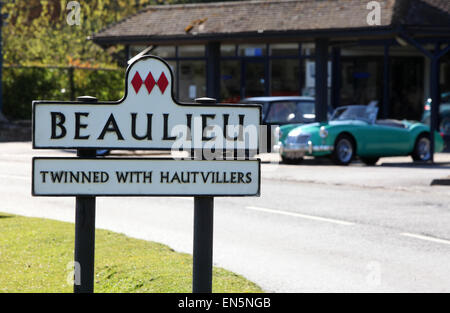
(84, 244)
(203, 244)
(203, 233)
(84, 231)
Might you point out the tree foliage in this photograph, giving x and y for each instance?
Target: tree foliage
(39, 45)
(38, 32)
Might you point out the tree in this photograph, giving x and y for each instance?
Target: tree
(43, 34)
(40, 33)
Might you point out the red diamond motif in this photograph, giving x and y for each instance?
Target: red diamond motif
(162, 82)
(150, 82)
(136, 82)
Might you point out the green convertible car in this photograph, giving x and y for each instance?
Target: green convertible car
(353, 131)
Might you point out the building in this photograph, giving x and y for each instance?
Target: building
(339, 51)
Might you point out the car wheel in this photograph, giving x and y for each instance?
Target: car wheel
(344, 150)
(422, 149)
(370, 161)
(286, 160)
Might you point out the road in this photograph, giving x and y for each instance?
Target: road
(316, 227)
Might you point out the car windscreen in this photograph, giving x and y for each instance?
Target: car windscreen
(365, 113)
(264, 105)
(284, 112)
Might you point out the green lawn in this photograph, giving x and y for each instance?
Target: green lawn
(35, 256)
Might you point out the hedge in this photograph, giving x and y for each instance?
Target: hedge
(23, 85)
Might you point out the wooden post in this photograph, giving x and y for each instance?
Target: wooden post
(85, 231)
(203, 235)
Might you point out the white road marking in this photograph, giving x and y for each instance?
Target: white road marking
(422, 237)
(305, 216)
(15, 177)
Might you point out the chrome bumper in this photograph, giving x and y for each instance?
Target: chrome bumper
(296, 150)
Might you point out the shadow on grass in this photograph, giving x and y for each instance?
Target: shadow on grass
(6, 216)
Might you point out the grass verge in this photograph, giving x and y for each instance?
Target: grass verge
(36, 256)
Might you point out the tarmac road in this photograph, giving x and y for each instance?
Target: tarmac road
(315, 228)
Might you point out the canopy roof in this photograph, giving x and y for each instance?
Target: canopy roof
(285, 19)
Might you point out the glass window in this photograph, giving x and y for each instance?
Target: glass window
(308, 49)
(252, 50)
(161, 51)
(445, 79)
(285, 49)
(164, 51)
(254, 79)
(283, 112)
(134, 50)
(310, 77)
(191, 51)
(406, 84)
(347, 82)
(230, 82)
(228, 50)
(285, 77)
(192, 80)
(173, 67)
(361, 80)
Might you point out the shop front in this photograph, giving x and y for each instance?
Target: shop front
(324, 49)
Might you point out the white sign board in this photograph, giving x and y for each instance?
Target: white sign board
(144, 177)
(147, 117)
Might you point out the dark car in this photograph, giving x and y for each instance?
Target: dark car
(277, 111)
(444, 116)
(285, 110)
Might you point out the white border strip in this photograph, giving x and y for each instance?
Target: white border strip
(422, 237)
(305, 216)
